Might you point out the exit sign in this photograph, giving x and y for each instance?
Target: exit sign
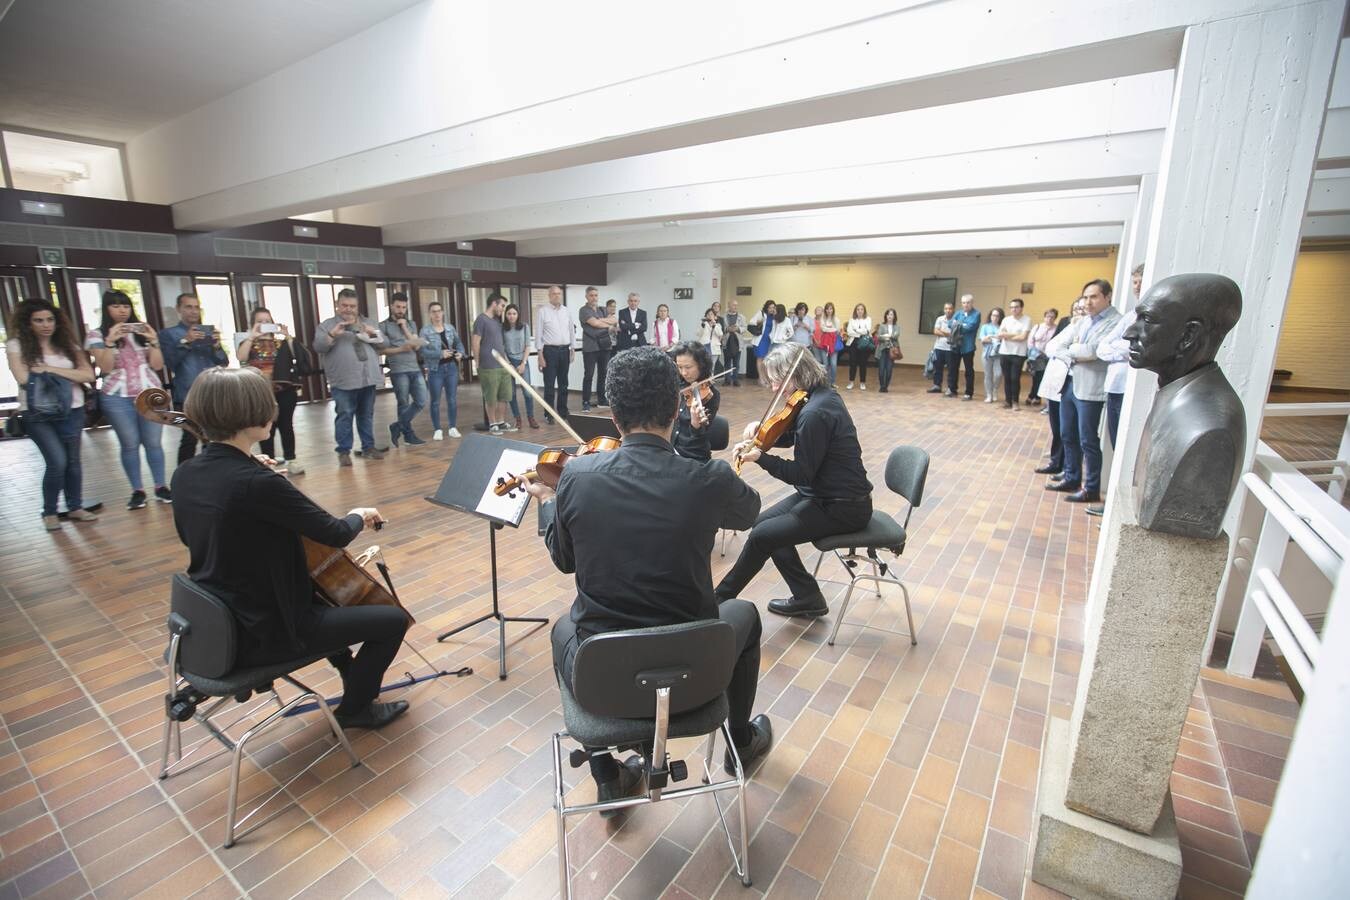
(53, 256)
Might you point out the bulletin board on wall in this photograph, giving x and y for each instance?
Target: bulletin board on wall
(936, 293)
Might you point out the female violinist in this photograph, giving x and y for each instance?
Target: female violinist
(833, 495)
(698, 405)
(242, 524)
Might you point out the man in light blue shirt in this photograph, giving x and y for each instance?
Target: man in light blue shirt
(969, 320)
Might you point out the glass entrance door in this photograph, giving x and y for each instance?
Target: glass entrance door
(280, 295)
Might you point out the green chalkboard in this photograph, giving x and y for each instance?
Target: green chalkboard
(936, 293)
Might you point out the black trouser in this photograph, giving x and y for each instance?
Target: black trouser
(594, 362)
(780, 528)
(741, 615)
(1037, 373)
(857, 363)
(286, 400)
(942, 360)
(187, 446)
(378, 629)
(1056, 445)
(954, 358)
(1012, 364)
(555, 374)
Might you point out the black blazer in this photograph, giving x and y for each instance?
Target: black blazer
(632, 329)
(242, 523)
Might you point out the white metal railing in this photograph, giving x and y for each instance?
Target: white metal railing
(1336, 479)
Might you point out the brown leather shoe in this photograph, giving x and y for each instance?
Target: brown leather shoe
(533, 423)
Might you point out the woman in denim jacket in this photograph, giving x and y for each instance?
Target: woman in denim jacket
(441, 355)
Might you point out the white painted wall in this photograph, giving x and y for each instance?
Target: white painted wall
(656, 282)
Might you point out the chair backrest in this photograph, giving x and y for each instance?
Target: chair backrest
(906, 472)
(617, 674)
(719, 433)
(208, 641)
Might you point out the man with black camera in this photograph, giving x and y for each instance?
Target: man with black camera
(347, 344)
(189, 348)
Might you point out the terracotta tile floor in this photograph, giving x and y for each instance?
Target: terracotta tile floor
(898, 770)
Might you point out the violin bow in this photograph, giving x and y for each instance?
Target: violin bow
(529, 388)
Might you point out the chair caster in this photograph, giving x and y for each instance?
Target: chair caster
(746, 882)
(229, 844)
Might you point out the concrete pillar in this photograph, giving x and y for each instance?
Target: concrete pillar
(1247, 112)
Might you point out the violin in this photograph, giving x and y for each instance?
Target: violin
(773, 425)
(550, 464)
(339, 578)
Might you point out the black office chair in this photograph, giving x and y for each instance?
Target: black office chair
(719, 438)
(638, 689)
(906, 473)
(201, 658)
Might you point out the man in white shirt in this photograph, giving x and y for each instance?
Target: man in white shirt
(1114, 349)
(942, 327)
(1013, 333)
(553, 334)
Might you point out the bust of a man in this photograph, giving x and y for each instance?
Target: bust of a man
(1191, 453)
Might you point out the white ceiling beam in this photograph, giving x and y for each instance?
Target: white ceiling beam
(1330, 193)
(893, 63)
(924, 244)
(1332, 226)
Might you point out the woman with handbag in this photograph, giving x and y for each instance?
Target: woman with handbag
(860, 345)
(827, 341)
(126, 351)
(43, 351)
(1036, 358)
(279, 356)
(888, 349)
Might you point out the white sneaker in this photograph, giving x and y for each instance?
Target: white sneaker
(439, 435)
(509, 426)
(849, 387)
(454, 433)
(988, 399)
(862, 387)
(294, 467)
(494, 429)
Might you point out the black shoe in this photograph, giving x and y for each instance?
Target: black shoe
(548, 420)
(372, 453)
(376, 715)
(1049, 470)
(585, 407)
(163, 494)
(1063, 487)
(761, 738)
(412, 439)
(793, 607)
(1084, 497)
(629, 784)
(1097, 511)
(394, 433)
(137, 500)
(88, 507)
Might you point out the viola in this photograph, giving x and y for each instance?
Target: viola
(772, 428)
(549, 466)
(339, 578)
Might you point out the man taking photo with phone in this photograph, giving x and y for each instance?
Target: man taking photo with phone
(190, 348)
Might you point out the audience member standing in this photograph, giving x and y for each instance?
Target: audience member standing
(942, 356)
(861, 346)
(516, 339)
(495, 380)
(442, 349)
(888, 339)
(665, 330)
(284, 361)
(1114, 350)
(828, 342)
(400, 350)
(711, 335)
(1014, 332)
(347, 346)
(989, 341)
(1084, 395)
(1051, 388)
(733, 326)
(553, 339)
(127, 352)
(969, 319)
(612, 312)
(632, 324)
(781, 330)
(42, 342)
(1036, 344)
(803, 325)
(595, 350)
(189, 349)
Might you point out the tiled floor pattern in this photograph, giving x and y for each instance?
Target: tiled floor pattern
(898, 771)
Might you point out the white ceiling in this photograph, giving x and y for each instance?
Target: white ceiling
(111, 69)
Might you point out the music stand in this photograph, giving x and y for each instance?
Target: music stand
(467, 487)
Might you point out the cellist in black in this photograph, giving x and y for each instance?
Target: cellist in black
(833, 494)
(242, 524)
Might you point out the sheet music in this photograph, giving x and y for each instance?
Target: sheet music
(507, 509)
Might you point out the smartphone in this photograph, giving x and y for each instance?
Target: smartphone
(138, 327)
(269, 328)
(207, 330)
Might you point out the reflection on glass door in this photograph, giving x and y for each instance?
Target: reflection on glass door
(378, 294)
(277, 296)
(13, 289)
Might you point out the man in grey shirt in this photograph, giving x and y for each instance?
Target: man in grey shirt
(401, 344)
(346, 345)
(595, 348)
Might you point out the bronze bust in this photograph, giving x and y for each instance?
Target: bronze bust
(1192, 449)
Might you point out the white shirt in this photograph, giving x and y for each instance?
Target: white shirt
(1014, 325)
(782, 332)
(665, 332)
(553, 327)
(1116, 350)
(859, 327)
(945, 324)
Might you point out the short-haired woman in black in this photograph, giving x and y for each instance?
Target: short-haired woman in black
(833, 495)
(242, 525)
(694, 418)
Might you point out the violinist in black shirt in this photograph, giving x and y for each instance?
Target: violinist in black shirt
(242, 523)
(637, 526)
(833, 494)
(694, 418)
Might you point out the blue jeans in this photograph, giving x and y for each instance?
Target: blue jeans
(133, 432)
(885, 368)
(1113, 404)
(515, 388)
(410, 389)
(830, 361)
(59, 444)
(1078, 424)
(444, 379)
(358, 403)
